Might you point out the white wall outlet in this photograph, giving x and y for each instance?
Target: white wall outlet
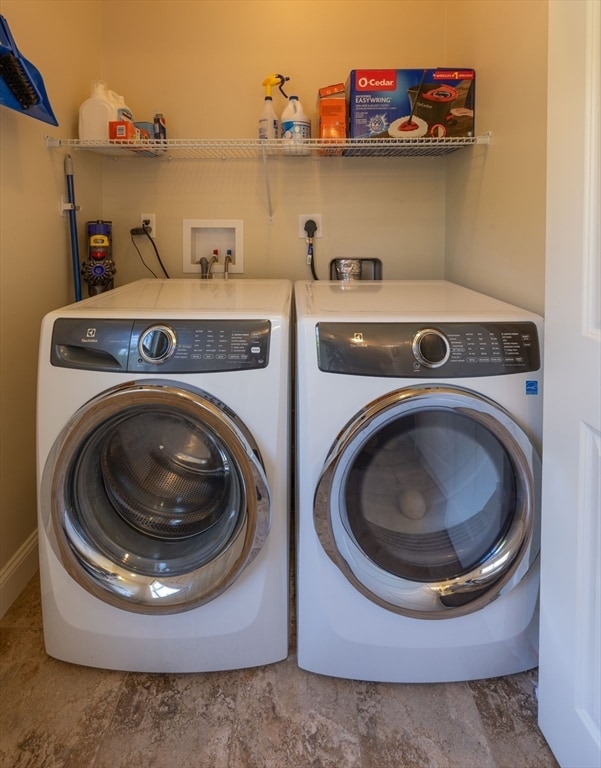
(303, 217)
(202, 237)
(151, 219)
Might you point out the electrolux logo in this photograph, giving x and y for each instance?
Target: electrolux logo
(375, 80)
(90, 337)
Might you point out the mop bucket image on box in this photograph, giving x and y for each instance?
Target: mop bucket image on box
(442, 107)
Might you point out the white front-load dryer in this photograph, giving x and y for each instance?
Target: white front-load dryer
(163, 476)
(419, 413)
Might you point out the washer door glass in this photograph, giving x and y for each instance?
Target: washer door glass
(156, 497)
(426, 502)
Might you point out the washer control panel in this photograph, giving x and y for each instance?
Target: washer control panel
(166, 346)
(449, 350)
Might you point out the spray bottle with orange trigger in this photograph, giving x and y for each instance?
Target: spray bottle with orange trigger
(269, 125)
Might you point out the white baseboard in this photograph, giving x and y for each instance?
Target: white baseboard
(17, 573)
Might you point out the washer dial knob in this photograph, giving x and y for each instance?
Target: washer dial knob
(431, 348)
(157, 344)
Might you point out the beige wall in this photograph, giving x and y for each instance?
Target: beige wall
(209, 86)
(34, 249)
(495, 201)
(476, 217)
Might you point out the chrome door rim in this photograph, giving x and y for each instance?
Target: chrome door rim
(504, 567)
(113, 582)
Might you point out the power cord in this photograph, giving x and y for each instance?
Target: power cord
(146, 230)
(136, 232)
(311, 229)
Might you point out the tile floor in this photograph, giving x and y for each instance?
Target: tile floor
(56, 714)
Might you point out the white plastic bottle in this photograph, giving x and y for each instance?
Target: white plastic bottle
(296, 127)
(123, 111)
(95, 113)
(269, 125)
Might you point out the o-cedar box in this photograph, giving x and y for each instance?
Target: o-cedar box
(410, 103)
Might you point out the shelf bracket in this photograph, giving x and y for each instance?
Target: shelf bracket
(66, 206)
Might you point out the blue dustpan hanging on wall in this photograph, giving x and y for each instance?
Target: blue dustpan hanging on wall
(21, 85)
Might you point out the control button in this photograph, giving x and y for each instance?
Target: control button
(157, 344)
(431, 348)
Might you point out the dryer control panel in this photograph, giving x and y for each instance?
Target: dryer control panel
(166, 346)
(449, 350)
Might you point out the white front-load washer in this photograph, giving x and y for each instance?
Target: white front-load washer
(419, 413)
(163, 476)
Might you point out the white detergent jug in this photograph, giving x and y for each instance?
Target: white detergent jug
(296, 128)
(95, 113)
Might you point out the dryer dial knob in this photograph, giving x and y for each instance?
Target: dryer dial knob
(431, 348)
(157, 344)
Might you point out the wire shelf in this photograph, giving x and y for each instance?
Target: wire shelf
(224, 149)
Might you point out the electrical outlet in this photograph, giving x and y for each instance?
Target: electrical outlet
(303, 217)
(149, 220)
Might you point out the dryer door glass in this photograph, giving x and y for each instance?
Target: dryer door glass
(427, 501)
(430, 495)
(158, 497)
